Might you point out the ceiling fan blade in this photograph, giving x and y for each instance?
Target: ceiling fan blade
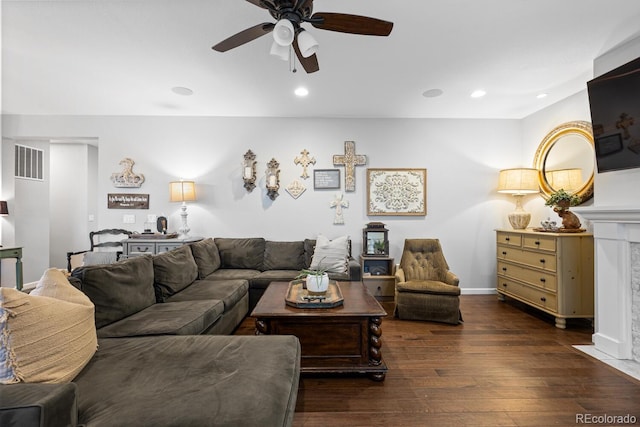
(353, 24)
(265, 4)
(244, 37)
(310, 64)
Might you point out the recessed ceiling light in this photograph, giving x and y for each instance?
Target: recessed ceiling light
(541, 95)
(184, 91)
(432, 93)
(301, 91)
(478, 93)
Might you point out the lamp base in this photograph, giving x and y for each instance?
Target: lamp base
(519, 219)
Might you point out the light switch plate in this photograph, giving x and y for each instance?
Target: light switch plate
(129, 219)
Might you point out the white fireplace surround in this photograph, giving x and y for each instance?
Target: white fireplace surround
(616, 231)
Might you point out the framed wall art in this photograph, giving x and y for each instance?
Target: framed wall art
(326, 179)
(127, 201)
(396, 192)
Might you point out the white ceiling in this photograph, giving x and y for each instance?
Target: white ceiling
(122, 57)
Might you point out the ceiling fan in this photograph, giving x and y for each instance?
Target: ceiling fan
(288, 32)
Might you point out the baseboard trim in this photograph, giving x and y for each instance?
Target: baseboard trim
(478, 291)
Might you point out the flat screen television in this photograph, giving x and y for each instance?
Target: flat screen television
(614, 99)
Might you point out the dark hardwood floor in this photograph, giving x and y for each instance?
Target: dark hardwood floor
(507, 365)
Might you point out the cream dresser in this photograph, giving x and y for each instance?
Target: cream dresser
(552, 272)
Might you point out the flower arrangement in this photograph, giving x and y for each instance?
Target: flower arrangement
(562, 200)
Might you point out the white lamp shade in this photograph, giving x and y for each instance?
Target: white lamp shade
(283, 32)
(307, 43)
(182, 191)
(280, 51)
(518, 181)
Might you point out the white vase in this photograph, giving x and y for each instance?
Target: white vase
(317, 284)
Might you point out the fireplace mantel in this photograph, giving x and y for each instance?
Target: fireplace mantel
(616, 231)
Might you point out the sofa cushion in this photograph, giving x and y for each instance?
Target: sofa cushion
(232, 274)
(47, 336)
(205, 253)
(170, 318)
(241, 253)
(331, 255)
(263, 279)
(173, 271)
(118, 290)
(228, 291)
(42, 405)
(283, 256)
(249, 381)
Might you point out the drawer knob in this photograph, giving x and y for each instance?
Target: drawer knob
(504, 285)
(504, 268)
(537, 242)
(142, 249)
(542, 260)
(543, 299)
(543, 280)
(507, 239)
(504, 253)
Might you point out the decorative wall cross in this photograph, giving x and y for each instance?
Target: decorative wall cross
(349, 160)
(305, 161)
(624, 123)
(339, 203)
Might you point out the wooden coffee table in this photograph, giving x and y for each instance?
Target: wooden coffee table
(344, 339)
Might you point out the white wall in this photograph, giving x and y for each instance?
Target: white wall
(462, 158)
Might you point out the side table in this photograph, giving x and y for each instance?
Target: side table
(17, 254)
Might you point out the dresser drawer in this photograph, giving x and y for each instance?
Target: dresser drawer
(543, 261)
(509, 239)
(140, 248)
(166, 247)
(542, 243)
(534, 296)
(536, 278)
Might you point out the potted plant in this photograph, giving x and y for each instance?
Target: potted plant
(317, 280)
(561, 201)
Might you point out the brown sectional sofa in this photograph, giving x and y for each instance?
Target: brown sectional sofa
(163, 356)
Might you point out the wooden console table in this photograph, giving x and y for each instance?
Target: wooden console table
(345, 339)
(140, 246)
(17, 254)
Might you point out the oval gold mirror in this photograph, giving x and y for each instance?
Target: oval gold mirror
(565, 160)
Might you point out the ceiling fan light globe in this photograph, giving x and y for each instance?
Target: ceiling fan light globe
(277, 50)
(307, 43)
(283, 32)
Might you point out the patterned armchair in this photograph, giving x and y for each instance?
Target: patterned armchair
(425, 288)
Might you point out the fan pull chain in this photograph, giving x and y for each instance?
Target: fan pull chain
(292, 60)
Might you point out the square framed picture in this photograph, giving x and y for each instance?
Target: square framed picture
(396, 192)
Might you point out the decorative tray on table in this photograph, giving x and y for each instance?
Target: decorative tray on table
(559, 230)
(298, 296)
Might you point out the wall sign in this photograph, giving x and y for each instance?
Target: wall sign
(127, 201)
(326, 179)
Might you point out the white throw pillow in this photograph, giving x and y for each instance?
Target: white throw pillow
(47, 336)
(331, 255)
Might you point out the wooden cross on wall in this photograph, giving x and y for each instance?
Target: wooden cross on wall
(349, 160)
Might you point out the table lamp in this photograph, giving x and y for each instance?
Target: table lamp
(519, 182)
(183, 191)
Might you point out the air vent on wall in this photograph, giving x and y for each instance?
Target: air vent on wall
(29, 163)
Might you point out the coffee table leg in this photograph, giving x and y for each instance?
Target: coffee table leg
(262, 327)
(375, 345)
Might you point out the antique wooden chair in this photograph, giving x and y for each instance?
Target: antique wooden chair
(106, 248)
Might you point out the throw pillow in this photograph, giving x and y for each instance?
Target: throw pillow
(173, 271)
(95, 258)
(205, 253)
(331, 255)
(46, 336)
(245, 253)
